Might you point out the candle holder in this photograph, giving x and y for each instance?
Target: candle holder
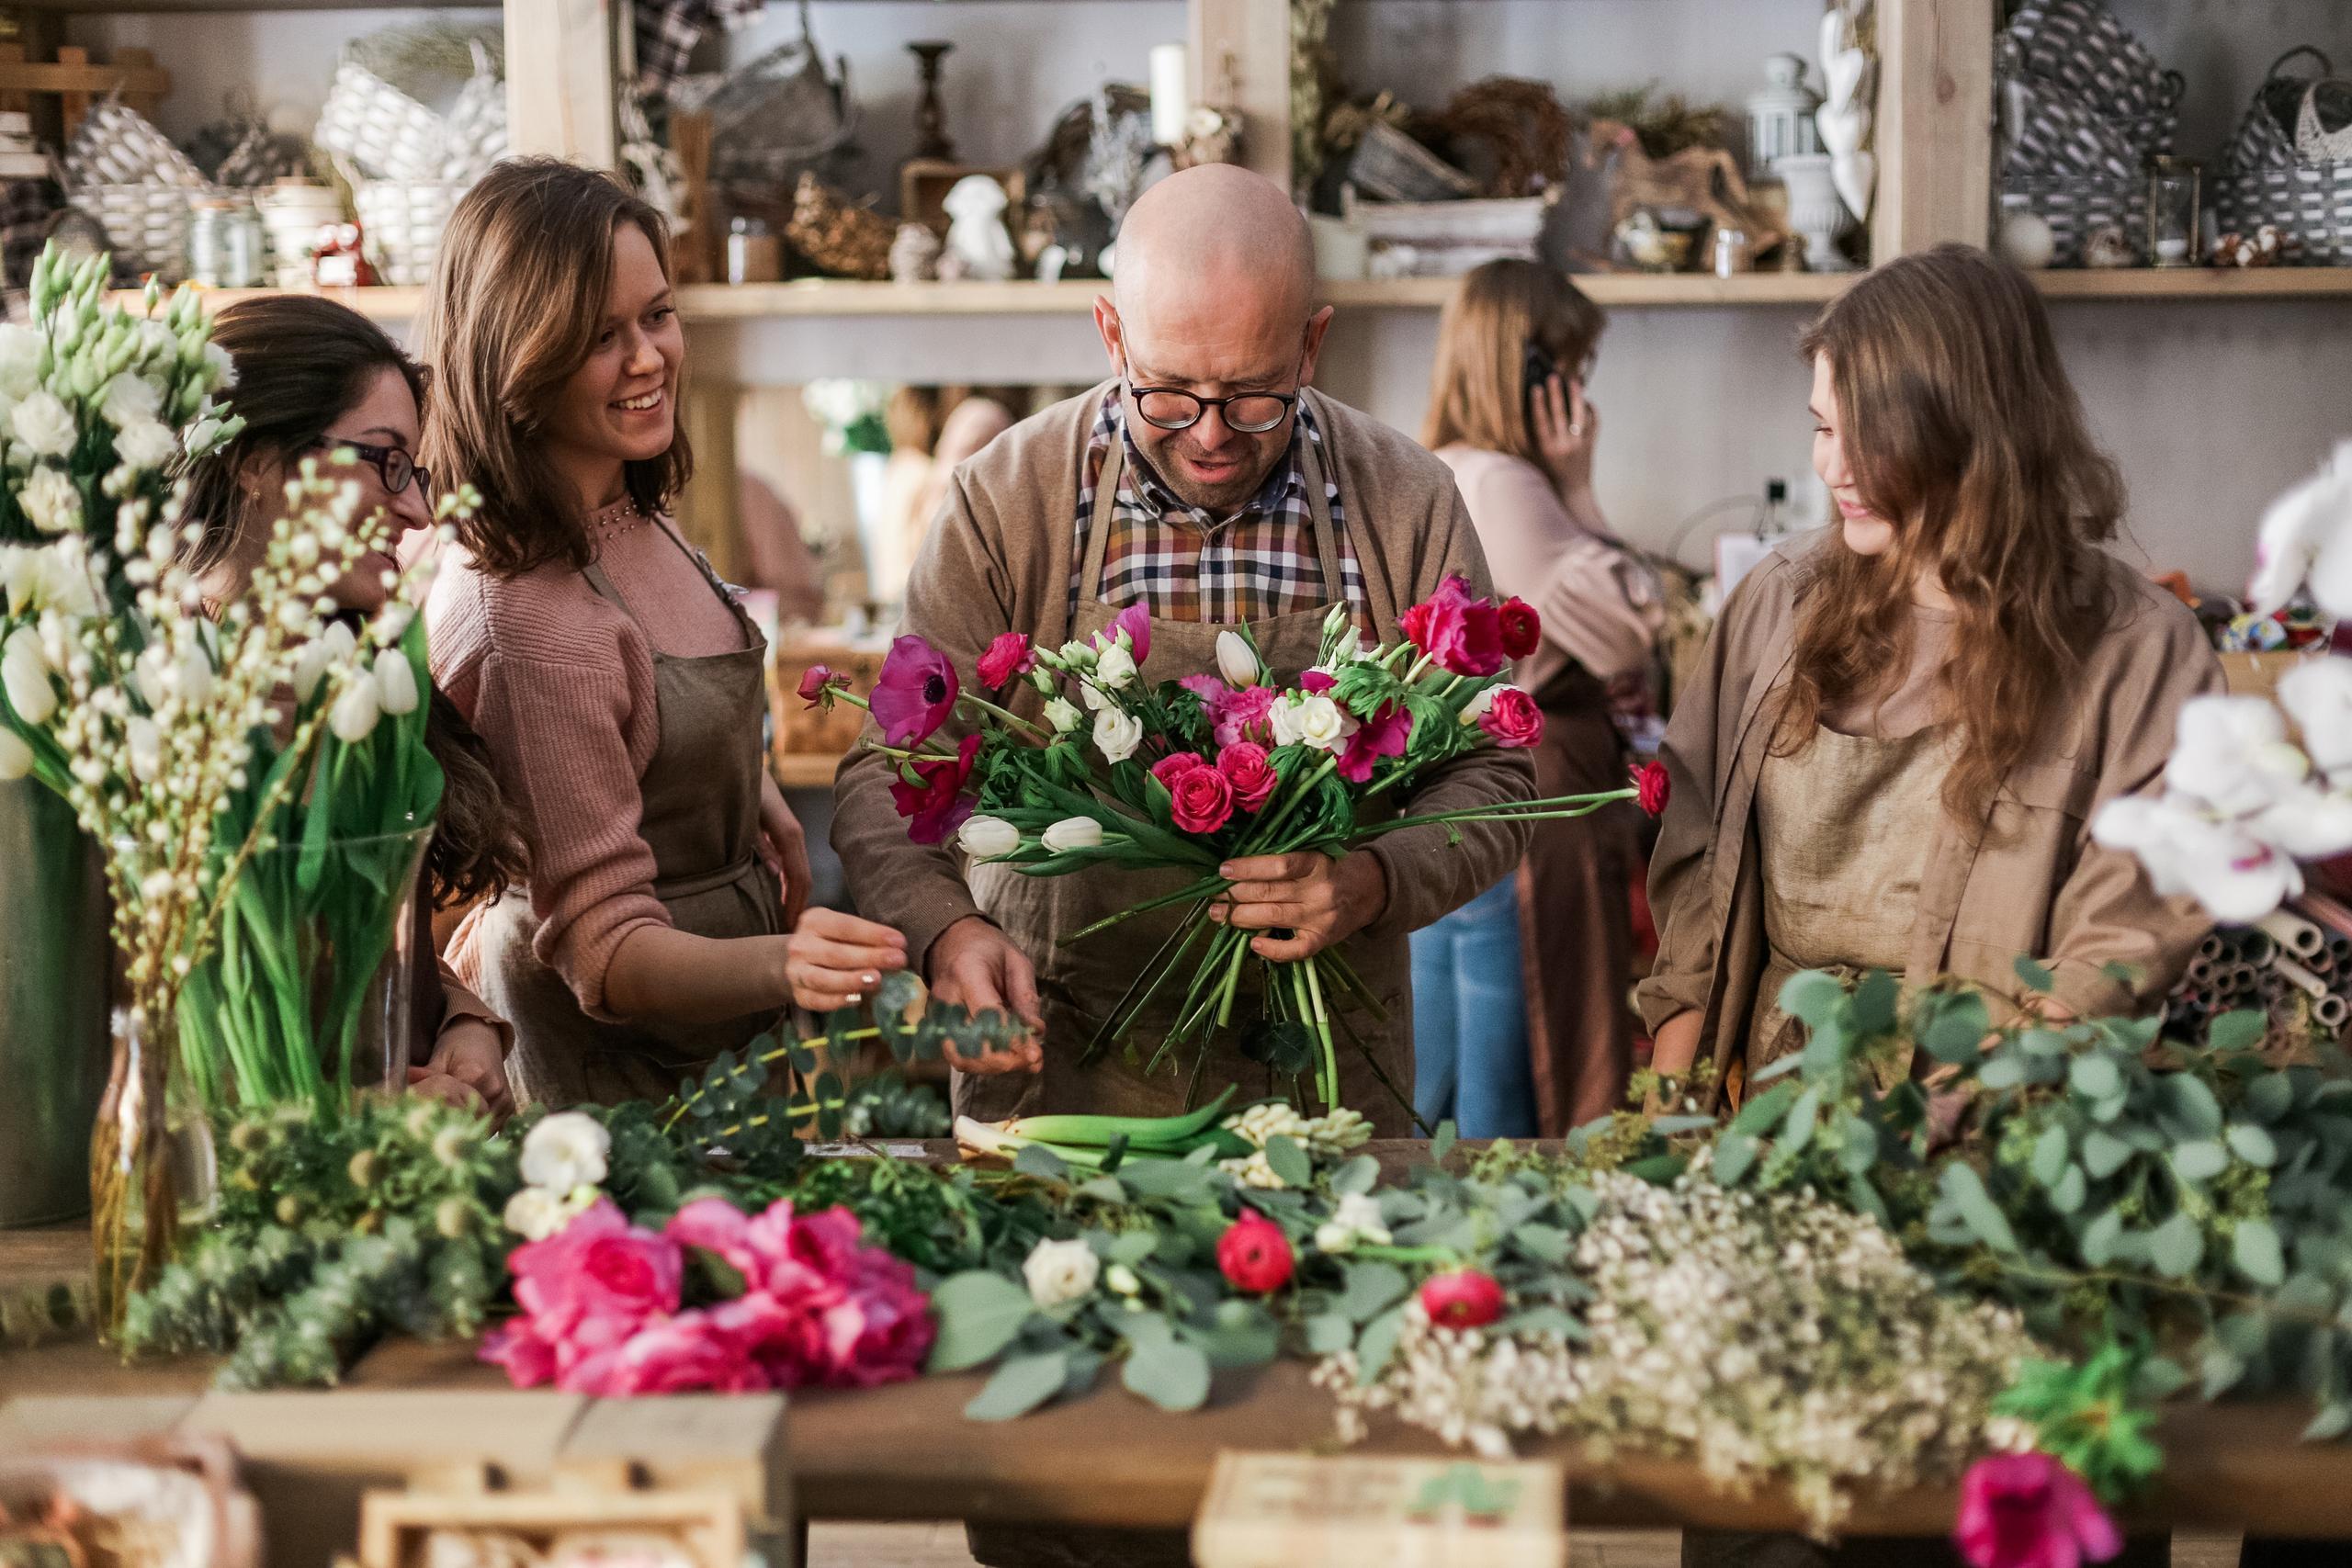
(932, 141)
(2174, 192)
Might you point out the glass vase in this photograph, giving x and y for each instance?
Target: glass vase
(151, 1163)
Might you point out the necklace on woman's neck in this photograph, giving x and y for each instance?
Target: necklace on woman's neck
(623, 516)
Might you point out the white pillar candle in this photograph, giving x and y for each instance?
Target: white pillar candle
(1171, 92)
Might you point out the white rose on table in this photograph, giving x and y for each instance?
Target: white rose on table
(534, 1213)
(145, 446)
(566, 1151)
(1073, 833)
(1060, 1271)
(51, 500)
(988, 838)
(1117, 734)
(1234, 660)
(130, 399)
(43, 426)
(1114, 668)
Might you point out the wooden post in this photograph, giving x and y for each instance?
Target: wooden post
(1934, 129)
(1240, 60)
(561, 74)
(707, 512)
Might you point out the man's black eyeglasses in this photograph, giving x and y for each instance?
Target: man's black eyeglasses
(1172, 408)
(392, 464)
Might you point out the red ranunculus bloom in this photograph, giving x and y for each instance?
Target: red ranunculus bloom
(1382, 735)
(1521, 628)
(915, 694)
(1317, 681)
(1254, 1254)
(818, 685)
(2030, 1511)
(1245, 767)
(1009, 658)
(1466, 1298)
(937, 806)
(1174, 766)
(1512, 718)
(1204, 800)
(1654, 785)
(1462, 633)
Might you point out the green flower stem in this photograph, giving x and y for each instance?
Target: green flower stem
(1299, 791)
(769, 1058)
(1323, 1033)
(1012, 719)
(1163, 964)
(1205, 888)
(1559, 808)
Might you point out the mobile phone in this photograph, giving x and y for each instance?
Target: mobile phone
(1539, 367)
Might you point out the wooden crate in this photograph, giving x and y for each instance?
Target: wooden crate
(2257, 674)
(802, 732)
(705, 1528)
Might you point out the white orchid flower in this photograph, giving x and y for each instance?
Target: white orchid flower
(1235, 660)
(566, 1151)
(2306, 537)
(2234, 876)
(2317, 695)
(2231, 754)
(1117, 734)
(1073, 833)
(395, 683)
(988, 838)
(2309, 824)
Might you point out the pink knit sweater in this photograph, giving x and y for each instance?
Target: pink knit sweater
(559, 683)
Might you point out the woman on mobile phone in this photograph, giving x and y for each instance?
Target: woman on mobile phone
(1519, 1017)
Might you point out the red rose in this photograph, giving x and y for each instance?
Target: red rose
(1652, 785)
(1466, 1298)
(1512, 718)
(1521, 628)
(1174, 766)
(1254, 1254)
(1009, 658)
(1245, 767)
(1204, 800)
(937, 805)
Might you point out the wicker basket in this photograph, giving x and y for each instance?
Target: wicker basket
(2059, 133)
(402, 221)
(2080, 46)
(2077, 207)
(388, 134)
(1392, 166)
(2263, 182)
(117, 145)
(146, 225)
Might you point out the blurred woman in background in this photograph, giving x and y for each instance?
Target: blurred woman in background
(1521, 1019)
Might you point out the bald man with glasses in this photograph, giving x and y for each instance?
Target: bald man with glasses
(1209, 482)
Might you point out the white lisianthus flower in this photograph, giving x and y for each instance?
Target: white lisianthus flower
(145, 739)
(1234, 660)
(51, 500)
(23, 671)
(395, 683)
(566, 1151)
(1356, 1222)
(1121, 1280)
(1076, 655)
(130, 399)
(355, 711)
(204, 436)
(1060, 1271)
(222, 369)
(19, 362)
(1063, 717)
(1073, 833)
(534, 1213)
(1323, 724)
(15, 757)
(988, 838)
(1093, 698)
(43, 426)
(146, 445)
(2317, 694)
(1117, 734)
(1114, 668)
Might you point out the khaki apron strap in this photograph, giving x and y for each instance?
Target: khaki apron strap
(1097, 529)
(1106, 490)
(668, 888)
(594, 573)
(1318, 505)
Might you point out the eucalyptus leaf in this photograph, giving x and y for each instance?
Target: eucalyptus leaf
(2004, 1070)
(1037, 1160)
(1376, 1345)
(1358, 1176)
(1021, 1385)
(2104, 1154)
(979, 1314)
(2200, 1159)
(1289, 1161)
(1544, 1320)
(1797, 1130)
(1371, 1286)
(2037, 976)
(1174, 1376)
(2095, 1076)
(1859, 1144)
(2252, 1145)
(2050, 1155)
(2221, 1371)
(2072, 1188)
(1763, 1113)
(1441, 1144)
(1981, 1215)
(1957, 1029)
(2176, 1247)
(1734, 1157)
(1546, 1244)
(2099, 1238)
(1328, 1333)
(2270, 1096)
(2255, 1248)
(1874, 1002)
(2329, 1424)
(2186, 1097)
(1812, 996)
(2239, 1031)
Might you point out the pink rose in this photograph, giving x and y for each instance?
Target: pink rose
(672, 1355)
(516, 1345)
(1382, 735)
(1512, 718)
(2030, 1511)
(1203, 801)
(1174, 766)
(1009, 658)
(597, 1271)
(1463, 634)
(896, 1328)
(1245, 767)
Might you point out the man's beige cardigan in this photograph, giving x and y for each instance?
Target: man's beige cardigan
(998, 559)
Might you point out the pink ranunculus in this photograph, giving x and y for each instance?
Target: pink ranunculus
(1652, 785)
(1512, 718)
(1202, 801)
(1254, 1254)
(1009, 658)
(818, 685)
(2030, 1511)
(1521, 628)
(1462, 633)
(672, 1355)
(1242, 716)
(915, 694)
(938, 806)
(1174, 766)
(598, 1271)
(1317, 681)
(1383, 735)
(1464, 1298)
(1245, 767)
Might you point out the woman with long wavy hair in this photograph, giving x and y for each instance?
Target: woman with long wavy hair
(1901, 730)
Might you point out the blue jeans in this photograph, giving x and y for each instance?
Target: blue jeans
(1470, 1042)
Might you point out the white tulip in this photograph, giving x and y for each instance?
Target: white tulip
(1322, 723)
(15, 757)
(2317, 694)
(1117, 734)
(1476, 708)
(2306, 537)
(1234, 660)
(130, 399)
(51, 500)
(566, 1151)
(1063, 717)
(310, 667)
(144, 740)
(20, 350)
(43, 426)
(353, 717)
(1060, 1271)
(988, 838)
(23, 671)
(1073, 833)
(1114, 668)
(395, 683)
(146, 445)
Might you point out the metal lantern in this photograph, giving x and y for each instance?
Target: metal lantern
(2174, 189)
(1779, 118)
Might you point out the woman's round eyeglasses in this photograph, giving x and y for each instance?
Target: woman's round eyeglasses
(392, 464)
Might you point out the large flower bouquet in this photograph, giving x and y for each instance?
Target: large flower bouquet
(1221, 765)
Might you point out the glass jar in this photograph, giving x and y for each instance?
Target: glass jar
(753, 254)
(208, 242)
(245, 248)
(2174, 201)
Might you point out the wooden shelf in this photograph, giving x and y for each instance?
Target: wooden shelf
(2200, 283)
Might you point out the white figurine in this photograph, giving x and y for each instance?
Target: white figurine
(977, 236)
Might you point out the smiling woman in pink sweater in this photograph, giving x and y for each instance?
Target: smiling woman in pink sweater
(617, 682)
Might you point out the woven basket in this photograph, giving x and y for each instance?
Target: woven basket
(2060, 133)
(2077, 207)
(2080, 46)
(146, 226)
(475, 127)
(402, 221)
(2262, 181)
(117, 145)
(387, 133)
(1392, 166)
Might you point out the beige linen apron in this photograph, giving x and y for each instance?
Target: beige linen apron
(701, 820)
(1080, 984)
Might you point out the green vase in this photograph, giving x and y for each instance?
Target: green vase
(55, 974)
